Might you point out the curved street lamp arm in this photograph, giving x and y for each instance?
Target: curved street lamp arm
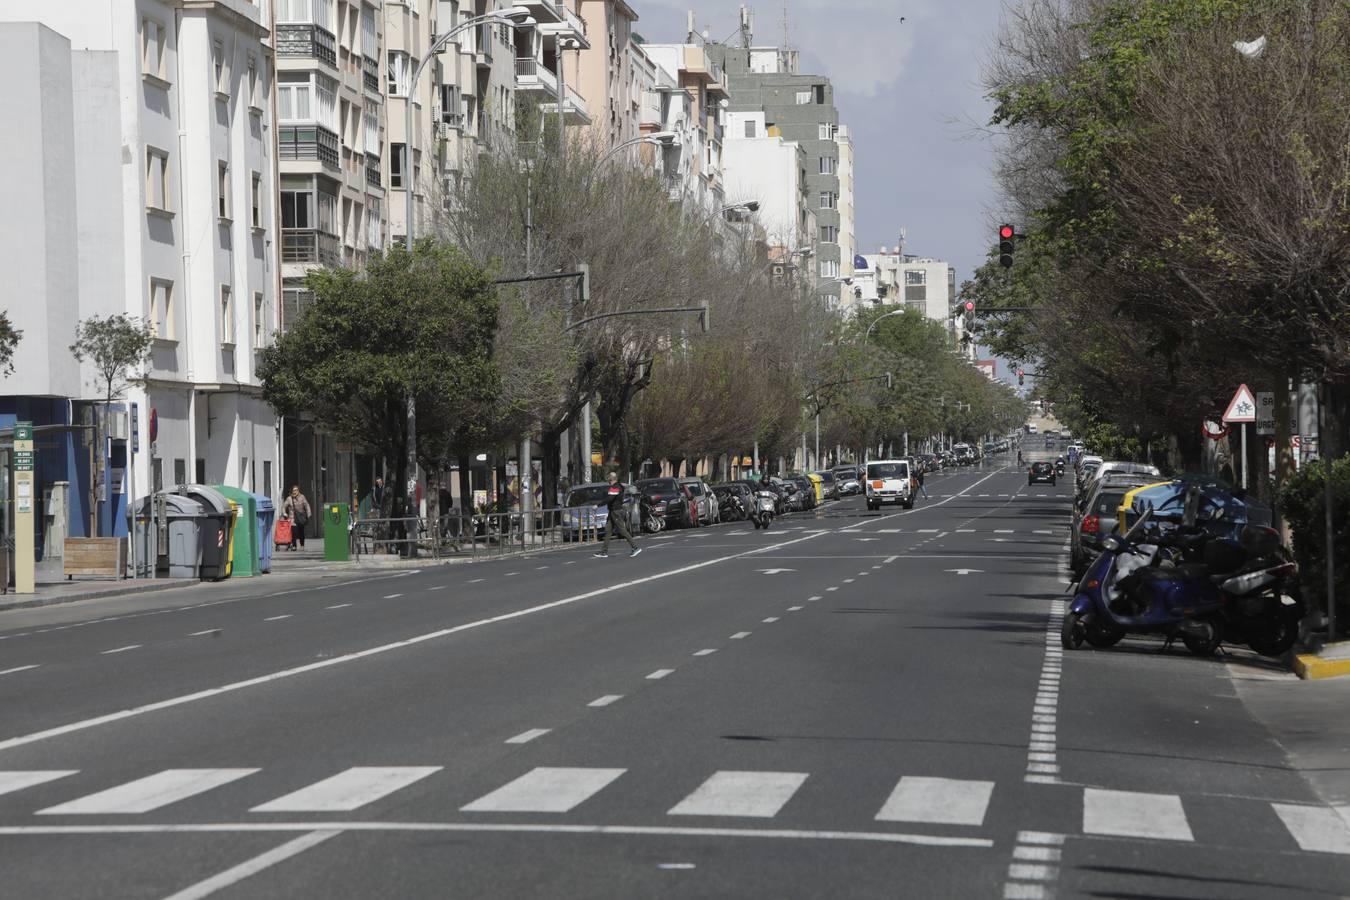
(702, 312)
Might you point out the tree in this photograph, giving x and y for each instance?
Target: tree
(417, 325)
(116, 346)
(9, 342)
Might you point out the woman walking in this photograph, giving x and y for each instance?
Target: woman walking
(296, 508)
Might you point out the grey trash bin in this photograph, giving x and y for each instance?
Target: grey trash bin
(185, 551)
(214, 528)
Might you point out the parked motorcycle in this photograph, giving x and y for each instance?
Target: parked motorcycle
(765, 506)
(732, 509)
(651, 522)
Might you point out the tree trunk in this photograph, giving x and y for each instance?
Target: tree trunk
(550, 445)
(465, 484)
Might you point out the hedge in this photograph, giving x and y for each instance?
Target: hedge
(1302, 502)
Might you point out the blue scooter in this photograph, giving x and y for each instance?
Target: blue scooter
(1102, 613)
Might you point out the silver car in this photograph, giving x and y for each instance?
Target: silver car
(709, 511)
(586, 511)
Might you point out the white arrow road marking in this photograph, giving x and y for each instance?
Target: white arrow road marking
(966, 571)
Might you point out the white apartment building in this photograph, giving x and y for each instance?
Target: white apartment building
(925, 285)
(699, 121)
(763, 166)
(848, 242)
(172, 184)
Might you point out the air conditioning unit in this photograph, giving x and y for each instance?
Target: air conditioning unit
(778, 270)
(443, 129)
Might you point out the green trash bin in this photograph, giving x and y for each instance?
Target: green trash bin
(337, 532)
(245, 540)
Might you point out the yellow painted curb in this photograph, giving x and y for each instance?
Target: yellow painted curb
(1314, 667)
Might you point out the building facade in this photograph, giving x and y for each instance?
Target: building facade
(699, 76)
(924, 285)
(848, 242)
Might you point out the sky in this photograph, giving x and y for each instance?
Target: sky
(909, 91)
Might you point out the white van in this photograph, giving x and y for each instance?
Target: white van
(888, 482)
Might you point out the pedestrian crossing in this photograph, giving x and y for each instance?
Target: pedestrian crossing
(914, 800)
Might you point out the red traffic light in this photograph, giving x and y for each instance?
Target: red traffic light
(969, 306)
(1005, 233)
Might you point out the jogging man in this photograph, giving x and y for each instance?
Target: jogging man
(618, 518)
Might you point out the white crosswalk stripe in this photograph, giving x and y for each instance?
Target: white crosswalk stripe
(937, 801)
(546, 789)
(349, 790)
(149, 793)
(752, 794)
(17, 781)
(1318, 829)
(1134, 814)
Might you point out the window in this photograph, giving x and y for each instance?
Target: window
(267, 478)
(161, 309)
(829, 268)
(829, 234)
(253, 104)
(218, 66)
(156, 179)
(374, 226)
(370, 40)
(294, 98)
(803, 98)
(317, 12)
(450, 104)
(400, 73)
(396, 164)
(750, 128)
(201, 472)
(916, 276)
(297, 209)
(820, 94)
(152, 49)
(827, 199)
(223, 190)
(255, 202)
(180, 472)
(370, 122)
(259, 321)
(226, 315)
(828, 165)
(825, 131)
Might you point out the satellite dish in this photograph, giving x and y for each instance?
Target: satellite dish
(1251, 49)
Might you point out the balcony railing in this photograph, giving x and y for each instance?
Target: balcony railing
(308, 143)
(530, 75)
(307, 40)
(483, 38)
(309, 245)
(373, 170)
(370, 72)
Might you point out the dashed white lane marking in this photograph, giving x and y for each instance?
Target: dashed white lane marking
(19, 669)
(235, 874)
(740, 635)
(338, 606)
(965, 531)
(706, 651)
(481, 580)
(1035, 863)
(17, 781)
(1004, 531)
(392, 596)
(121, 649)
(891, 559)
(928, 531)
(1041, 531)
(938, 801)
(277, 618)
(849, 580)
(770, 620)
(149, 793)
(796, 608)
(813, 599)
(546, 789)
(1135, 814)
(606, 700)
(832, 589)
(1317, 829)
(750, 794)
(526, 736)
(201, 633)
(437, 587)
(676, 866)
(349, 790)
(659, 674)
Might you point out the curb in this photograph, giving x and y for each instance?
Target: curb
(1312, 668)
(151, 586)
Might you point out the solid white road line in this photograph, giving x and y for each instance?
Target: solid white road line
(17, 781)
(349, 790)
(659, 674)
(238, 873)
(545, 789)
(526, 736)
(1135, 814)
(938, 801)
(149, 793)
(752, 794)
(605, 700)
(132, 712)
(19, 669)
(770, 620)
(882, 837)
(121, 649)
(1317, 829)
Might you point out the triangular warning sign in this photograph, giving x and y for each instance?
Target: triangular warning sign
(1242, 408)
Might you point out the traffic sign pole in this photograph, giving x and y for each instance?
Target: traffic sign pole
(24, 487)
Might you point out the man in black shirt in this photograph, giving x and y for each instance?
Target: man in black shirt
(618, 517)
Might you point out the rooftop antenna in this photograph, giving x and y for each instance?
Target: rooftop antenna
(747, 28)
(692, 30)
(900, 250)
(786, 42)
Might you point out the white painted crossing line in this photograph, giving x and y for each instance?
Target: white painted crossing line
(338, 606)
(770, 620)
(740, 635)
(605, 700)
(659, 674)
(937, 801)
(349, 790)
(546, 790)
(236, 874)
(17, 781)
(796, 608)
(18, 669)
(706, 651)
(1135, 814)
(121, 649)
(750, 794)
(149, 793)
(1317, 829)
(526, 736)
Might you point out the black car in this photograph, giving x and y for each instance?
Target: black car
(1043, 472)
(670, 501)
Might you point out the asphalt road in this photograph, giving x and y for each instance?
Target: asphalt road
(853, 704)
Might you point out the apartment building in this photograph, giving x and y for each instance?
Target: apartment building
(159, 118)
(925, 285)
(699, 76)
(848, 241)
(610, 74)
(764, 166)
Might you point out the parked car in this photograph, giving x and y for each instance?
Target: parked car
(846, 478)
(1042, 472)
(586, 511)
(828, 484)
(1097, 518)
(704, 500)
(670, 501)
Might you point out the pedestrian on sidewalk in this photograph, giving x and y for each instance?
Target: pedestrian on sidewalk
(618, 518)
(296, 508)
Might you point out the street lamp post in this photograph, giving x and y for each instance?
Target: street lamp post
(894, 312)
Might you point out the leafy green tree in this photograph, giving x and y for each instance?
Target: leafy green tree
(416, 325)
(9, 342)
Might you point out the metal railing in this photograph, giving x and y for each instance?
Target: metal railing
(373, 170)
(370, 74)
(308, 245)
(307, 40)
(476, 535)
(308, 143)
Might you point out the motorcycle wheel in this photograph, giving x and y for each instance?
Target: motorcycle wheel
(1073, 632)
(1203, 645)
(1274, 635)
(768, 520)
(1103, 636)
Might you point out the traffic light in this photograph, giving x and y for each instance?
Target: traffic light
(1021, 377)
(1006, 236)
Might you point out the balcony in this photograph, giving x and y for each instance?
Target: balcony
(373, 171)
(306, 40)
(482, 36)
(370, 73)
(308, 143)
(531, 75)
(569, 27)
(574, 108)
(309, 245)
